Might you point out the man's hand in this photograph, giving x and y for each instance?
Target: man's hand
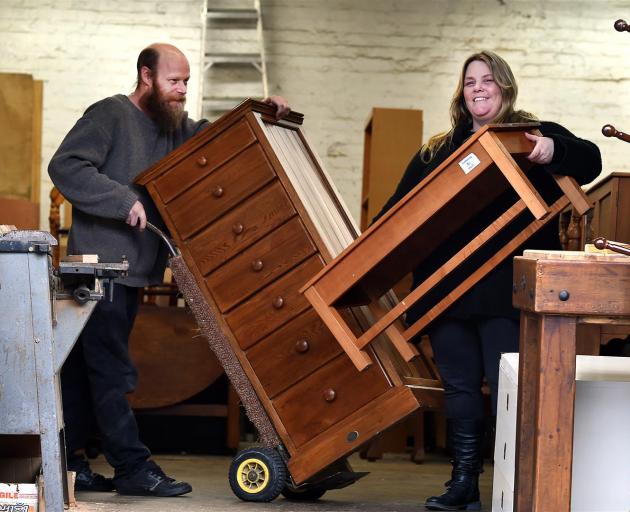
(282, 106)
(543, 150)
(137, 216)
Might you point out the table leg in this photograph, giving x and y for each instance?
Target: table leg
(544, 444)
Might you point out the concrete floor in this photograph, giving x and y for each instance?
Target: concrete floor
(394, 485)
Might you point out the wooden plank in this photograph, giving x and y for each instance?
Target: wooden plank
(563, 283)
(394, 136)
(513, 173)
(36, 151)
(17, 104)
(22, 213)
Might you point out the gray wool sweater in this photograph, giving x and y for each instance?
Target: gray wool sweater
(94, 169)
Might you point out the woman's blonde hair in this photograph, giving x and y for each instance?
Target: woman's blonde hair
(459, 113)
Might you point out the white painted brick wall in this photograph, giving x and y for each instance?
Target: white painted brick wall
(336, 59)
(87, 50)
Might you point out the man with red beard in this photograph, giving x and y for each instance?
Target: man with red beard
(94, 168)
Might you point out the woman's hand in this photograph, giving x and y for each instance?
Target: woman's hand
(282, 106)
(543, 150)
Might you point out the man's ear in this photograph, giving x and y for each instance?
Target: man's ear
(147, 76)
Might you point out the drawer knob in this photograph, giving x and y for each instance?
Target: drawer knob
(257, 265)
(278, 302)
(217, 191)
(302, 346)
(238, 228)
(330, 394)
(202, 161)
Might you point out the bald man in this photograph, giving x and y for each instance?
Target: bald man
(94, 168)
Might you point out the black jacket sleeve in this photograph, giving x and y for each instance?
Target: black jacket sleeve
(573, 156)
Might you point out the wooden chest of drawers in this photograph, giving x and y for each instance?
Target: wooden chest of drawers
(255, 218)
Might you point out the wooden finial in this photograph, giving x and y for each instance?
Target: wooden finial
(622, 26)
(601, 243)
(610, 131)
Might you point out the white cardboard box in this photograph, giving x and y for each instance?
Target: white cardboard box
(601, 439)
(18, 497)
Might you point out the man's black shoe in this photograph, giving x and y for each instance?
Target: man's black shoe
(86, 479)
(149, 480)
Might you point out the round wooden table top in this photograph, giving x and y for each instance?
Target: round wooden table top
(174, 361)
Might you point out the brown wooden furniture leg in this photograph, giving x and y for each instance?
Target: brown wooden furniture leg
(417, 455)
(373, 450)
(544, 448)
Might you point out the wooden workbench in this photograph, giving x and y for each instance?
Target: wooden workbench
(557, 292)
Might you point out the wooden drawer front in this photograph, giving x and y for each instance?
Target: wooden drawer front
(260, 264)
(240, 228)
(272, 306)
(203, 161)
(327, 396)
(220, 191)
(292, 352)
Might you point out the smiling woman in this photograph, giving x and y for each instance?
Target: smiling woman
(469, 337)
(481, 93)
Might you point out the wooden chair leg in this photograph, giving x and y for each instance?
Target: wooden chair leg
(417, 454)
(373, 450)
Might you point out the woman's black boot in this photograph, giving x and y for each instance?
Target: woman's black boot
(462, 493)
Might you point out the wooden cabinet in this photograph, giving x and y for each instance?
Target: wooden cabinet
(611, 211)
(392, 137)
(255, 218)
(610, 216)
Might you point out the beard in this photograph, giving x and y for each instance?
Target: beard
(167, 116)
